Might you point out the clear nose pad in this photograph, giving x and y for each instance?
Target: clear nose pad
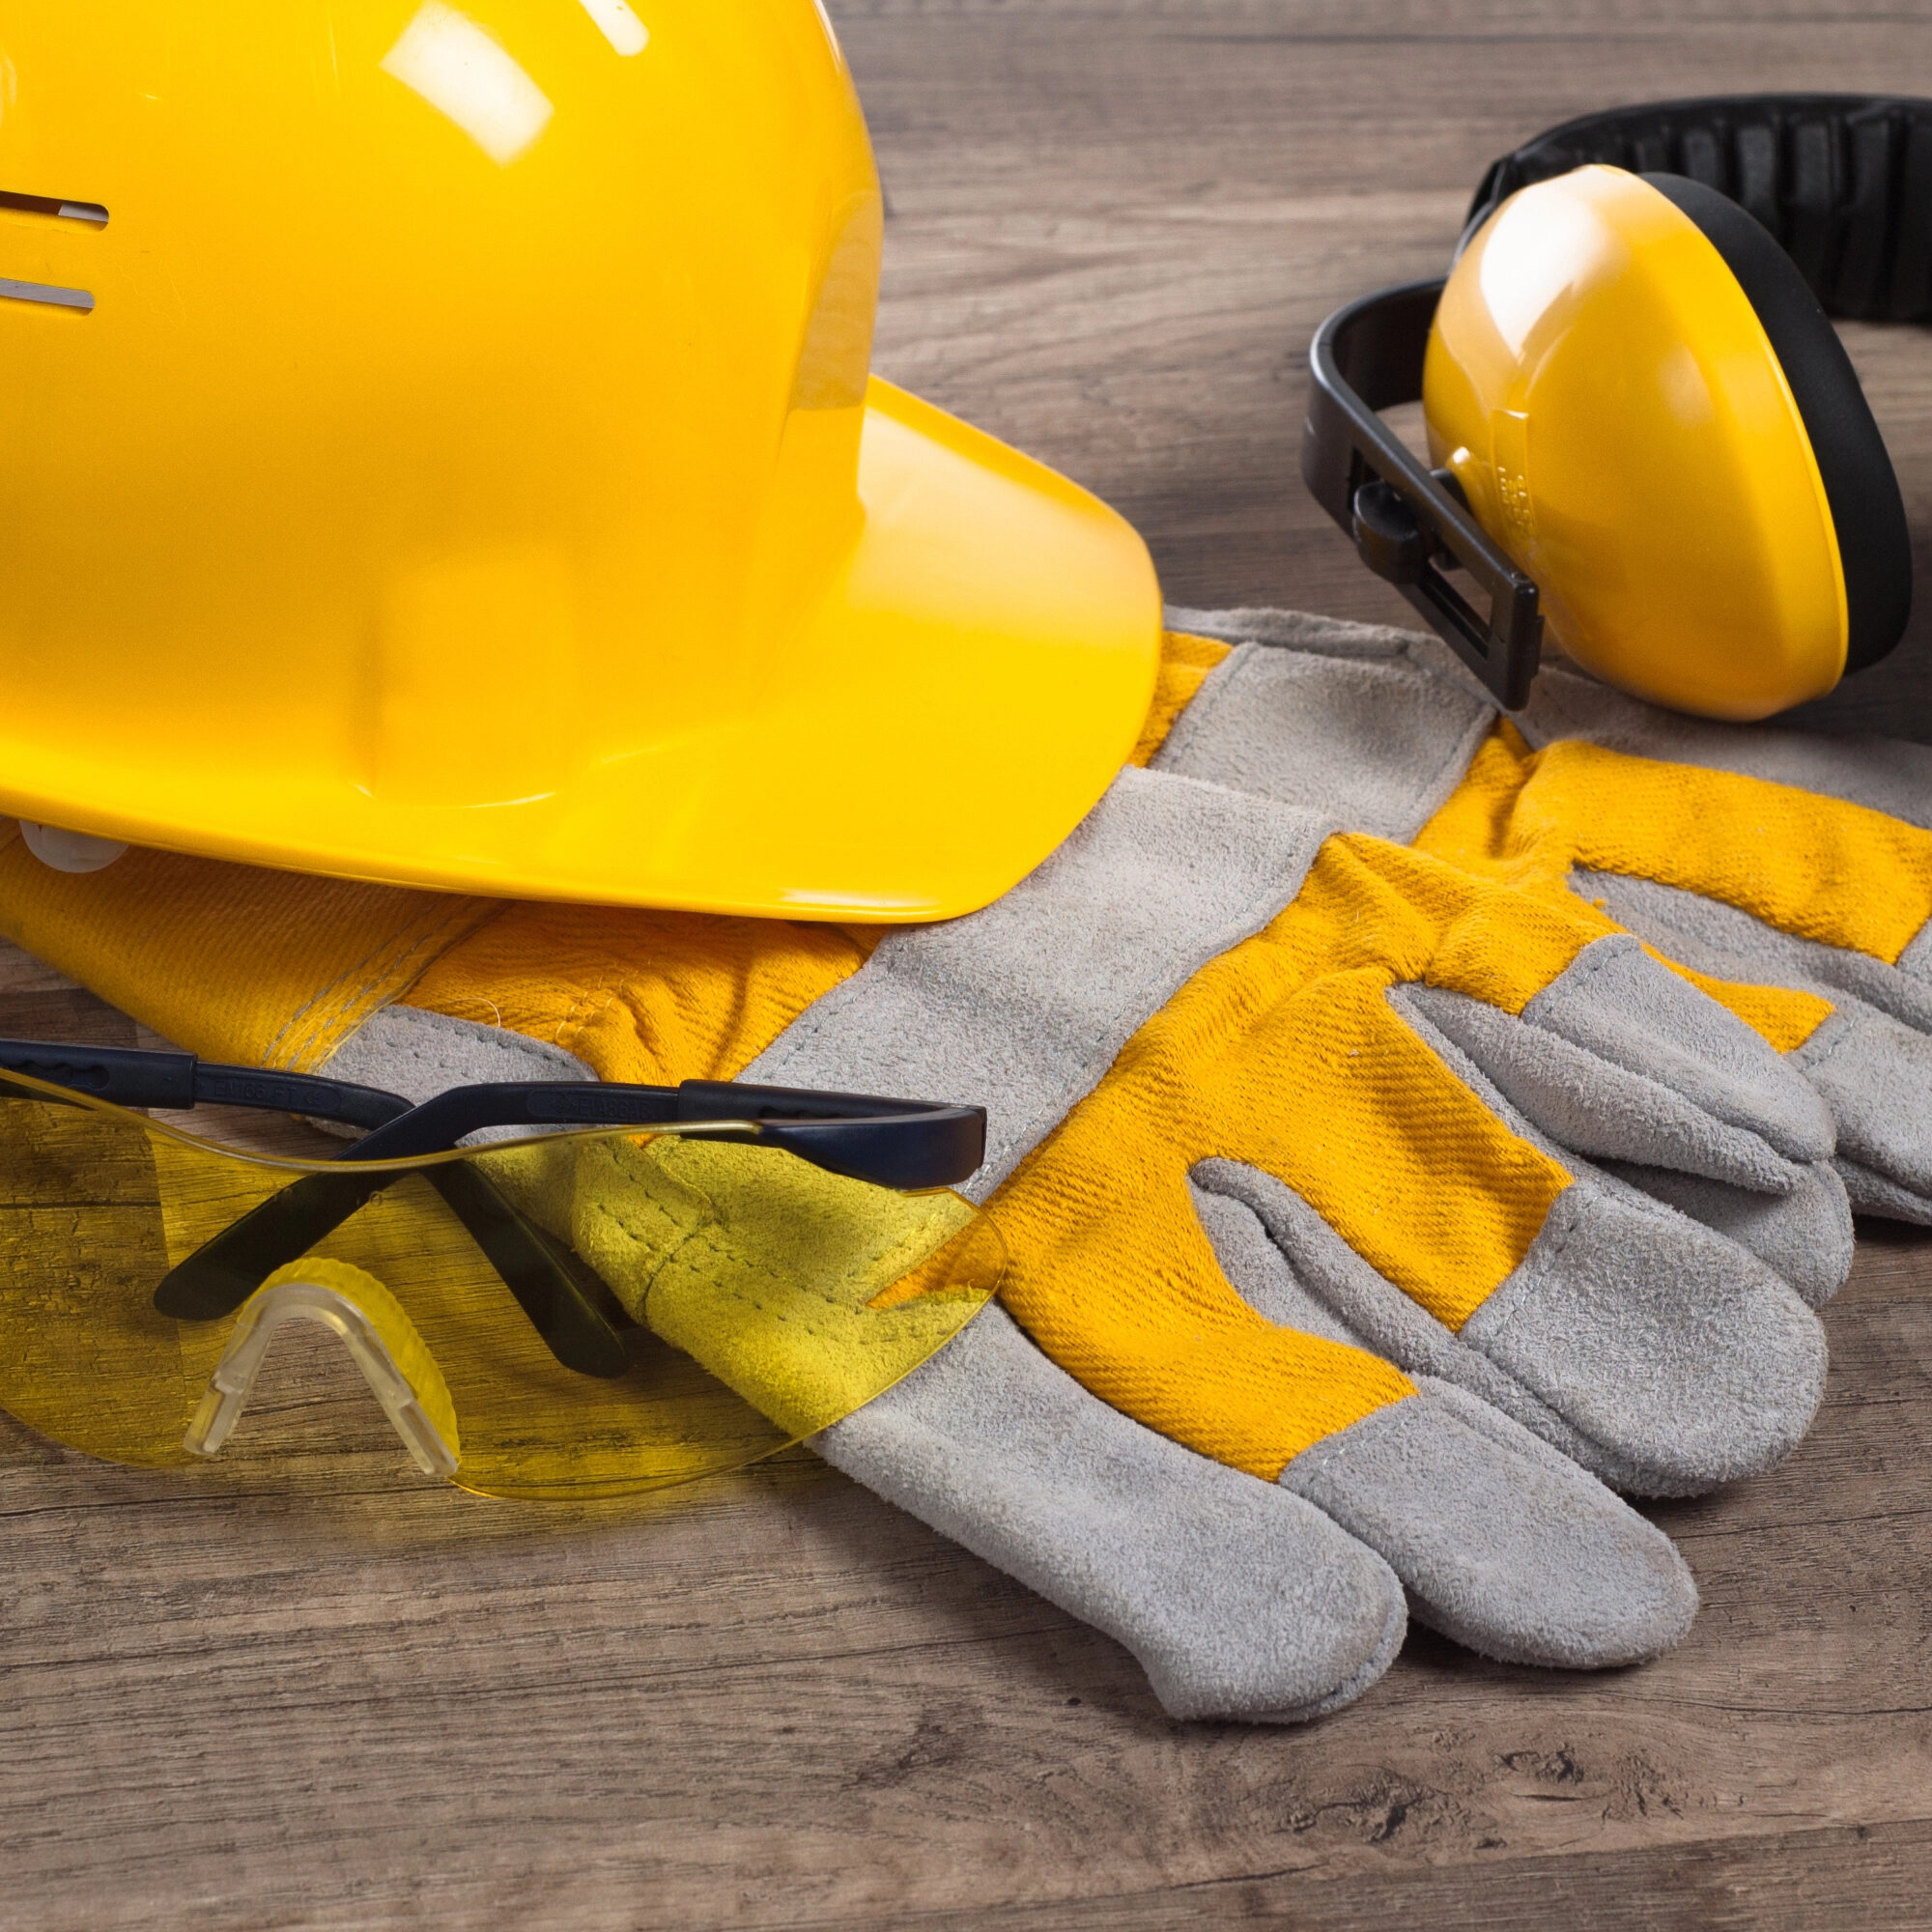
(381, 1341)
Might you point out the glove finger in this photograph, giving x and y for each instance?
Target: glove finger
(1239, 1599)
(1620, 1059)
(1519, 1555)
(1871, 1193)
(1673, 1347)
(1805, 1235)
(1875, 1074)
(1662, 1356)
(1685, 1359)
(1729, 944)
(1501, 1542)
(1870, 1059)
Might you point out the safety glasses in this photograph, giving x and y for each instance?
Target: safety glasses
(604, 1289)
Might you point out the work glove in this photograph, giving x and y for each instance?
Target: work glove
(1240, 1597)
(1787, 873)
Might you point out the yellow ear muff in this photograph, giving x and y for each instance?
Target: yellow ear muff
(1867, 510)
(1707, 522)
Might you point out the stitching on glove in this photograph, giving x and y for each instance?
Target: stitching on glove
(706, 1241)
(1565, 1221)
(1812, 1056)
(376, 968)
(585, 1011)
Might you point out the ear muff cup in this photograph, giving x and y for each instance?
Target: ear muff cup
(1868, 511)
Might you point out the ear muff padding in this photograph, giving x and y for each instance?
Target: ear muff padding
(1867, 512)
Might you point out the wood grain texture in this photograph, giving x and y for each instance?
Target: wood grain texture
(310, 1690)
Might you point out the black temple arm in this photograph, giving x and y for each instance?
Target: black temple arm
(890, 1143)
(907, 1144)
(126, 1075)
(904, 1144)
(441, 1123)
(133, 1076)
(297, 1094)
(1410, 522)
(228, 1267)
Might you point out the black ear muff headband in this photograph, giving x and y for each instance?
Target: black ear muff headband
(1820, 205)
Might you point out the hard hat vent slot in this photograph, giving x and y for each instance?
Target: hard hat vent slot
(90, 212)
(48, 295)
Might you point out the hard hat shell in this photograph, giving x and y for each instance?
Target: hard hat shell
(1600, 386)
(439, 448)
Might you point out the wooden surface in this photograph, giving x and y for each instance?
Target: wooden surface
(313, 1691)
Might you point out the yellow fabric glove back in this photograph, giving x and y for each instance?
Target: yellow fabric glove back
(264, 969)
(1390, 1148)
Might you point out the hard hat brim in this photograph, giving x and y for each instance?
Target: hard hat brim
(973, 676)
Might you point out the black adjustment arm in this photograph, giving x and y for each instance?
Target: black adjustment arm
(550, 1286)
(1410, 522)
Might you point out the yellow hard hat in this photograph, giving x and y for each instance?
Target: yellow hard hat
(438, 448)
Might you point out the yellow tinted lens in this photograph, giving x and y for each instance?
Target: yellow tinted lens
(83, 1356)
(757, 1297)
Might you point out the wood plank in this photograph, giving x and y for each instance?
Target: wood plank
(1806, 1881)
(312, 1690)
